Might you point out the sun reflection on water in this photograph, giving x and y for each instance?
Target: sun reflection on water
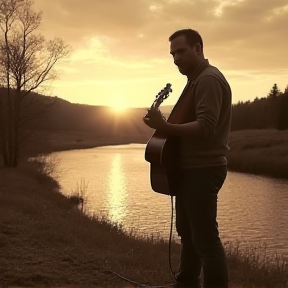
(117, 190)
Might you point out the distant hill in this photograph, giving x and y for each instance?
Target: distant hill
(55, 114)
(46, 117)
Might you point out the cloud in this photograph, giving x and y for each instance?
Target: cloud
(95, 61)
(241, 34)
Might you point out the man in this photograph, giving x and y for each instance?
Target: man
(203, 164)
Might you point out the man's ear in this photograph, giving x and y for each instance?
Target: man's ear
(198, 49)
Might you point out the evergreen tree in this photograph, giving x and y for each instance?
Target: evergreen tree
(275, 91)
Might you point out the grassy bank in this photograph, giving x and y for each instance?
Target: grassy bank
(262, 152)
(49, 141)
(45, 240)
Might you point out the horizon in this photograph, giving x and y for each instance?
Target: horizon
(122, 58)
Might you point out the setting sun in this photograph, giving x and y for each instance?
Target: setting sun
(119, 104)
(119, 108)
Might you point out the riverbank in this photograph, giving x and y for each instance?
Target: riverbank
(45, 241)
(262, 152)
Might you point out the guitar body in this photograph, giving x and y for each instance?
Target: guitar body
(163, 154)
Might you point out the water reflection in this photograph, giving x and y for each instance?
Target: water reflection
(117, 192)
(251, 208)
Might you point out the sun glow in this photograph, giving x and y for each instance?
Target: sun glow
(119, 104)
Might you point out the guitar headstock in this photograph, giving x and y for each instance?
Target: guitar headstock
(162, 95)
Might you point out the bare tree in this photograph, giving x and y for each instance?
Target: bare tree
(27, 60)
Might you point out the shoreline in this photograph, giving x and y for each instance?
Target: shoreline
(255, 152)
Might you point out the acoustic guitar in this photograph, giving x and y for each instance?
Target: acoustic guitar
(162, 153)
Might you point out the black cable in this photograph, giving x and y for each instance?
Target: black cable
(169, 256)
(139, 284)
(170, 239)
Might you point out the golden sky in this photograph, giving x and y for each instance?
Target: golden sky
(121, 49)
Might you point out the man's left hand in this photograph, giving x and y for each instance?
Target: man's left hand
(155, 120)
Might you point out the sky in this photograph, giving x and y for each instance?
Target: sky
(121, 54)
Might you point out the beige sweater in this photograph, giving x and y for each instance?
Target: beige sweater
(210, 104)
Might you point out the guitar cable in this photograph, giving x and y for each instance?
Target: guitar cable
(169, 259)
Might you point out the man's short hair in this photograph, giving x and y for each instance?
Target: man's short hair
(192, 36)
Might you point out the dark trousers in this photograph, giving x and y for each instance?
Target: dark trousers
(196, 224)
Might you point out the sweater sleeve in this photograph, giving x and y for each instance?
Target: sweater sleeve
(208, 102)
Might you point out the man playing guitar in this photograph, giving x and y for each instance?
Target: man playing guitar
(201, 125)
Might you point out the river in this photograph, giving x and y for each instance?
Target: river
(251, 208)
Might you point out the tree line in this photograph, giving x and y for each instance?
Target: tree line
(270, 112)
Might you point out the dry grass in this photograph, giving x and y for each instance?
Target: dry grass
(77, 197)
(260, 152)
(250, 266)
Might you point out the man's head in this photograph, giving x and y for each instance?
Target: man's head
(186, 47)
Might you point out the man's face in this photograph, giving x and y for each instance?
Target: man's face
(185, 56)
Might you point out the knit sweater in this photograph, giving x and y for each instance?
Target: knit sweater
(209, 104)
